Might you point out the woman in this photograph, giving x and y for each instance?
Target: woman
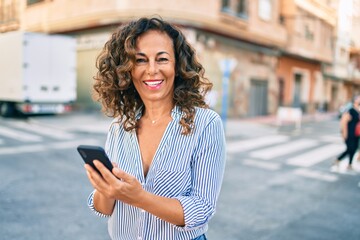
(168, 147)
(348, 123)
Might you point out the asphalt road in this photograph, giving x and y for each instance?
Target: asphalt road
(277, 184)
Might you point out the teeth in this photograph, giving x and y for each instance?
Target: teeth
(153, 83)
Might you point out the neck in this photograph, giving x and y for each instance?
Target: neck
(154, 112)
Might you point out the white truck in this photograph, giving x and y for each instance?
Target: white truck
(37, 73)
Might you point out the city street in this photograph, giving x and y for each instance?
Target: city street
(277, 185)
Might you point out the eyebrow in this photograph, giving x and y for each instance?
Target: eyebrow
(159, 53)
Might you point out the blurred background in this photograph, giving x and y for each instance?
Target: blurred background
(292, 53)
(283, 72)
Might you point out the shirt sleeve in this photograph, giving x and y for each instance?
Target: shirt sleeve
(208, 166)
(109, 139)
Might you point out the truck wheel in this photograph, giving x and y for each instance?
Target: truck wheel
(7, 109)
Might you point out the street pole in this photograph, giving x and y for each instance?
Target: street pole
(227, 65)
(225, 87)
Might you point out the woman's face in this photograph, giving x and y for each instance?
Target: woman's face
(153, 74)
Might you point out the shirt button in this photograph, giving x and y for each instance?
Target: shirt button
(142, 210)
(139, 238)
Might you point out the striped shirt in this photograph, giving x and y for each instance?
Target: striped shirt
(189, 168)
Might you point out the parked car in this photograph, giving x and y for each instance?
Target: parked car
(344, 108)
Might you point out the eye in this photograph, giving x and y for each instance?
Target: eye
(140, 60)
(163, 60)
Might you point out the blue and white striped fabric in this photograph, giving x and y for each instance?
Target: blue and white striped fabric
(186, 167)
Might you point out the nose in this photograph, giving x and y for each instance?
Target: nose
(152, 68)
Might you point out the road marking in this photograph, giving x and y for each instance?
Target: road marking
(249, 144)
(75, 143)
(315, 156)
(19, 135)
(45, 147)
(49, 132)
(23, 149)
(283, 149)
(332, 138)
(260, 164)
(316, 175)
(100, 128)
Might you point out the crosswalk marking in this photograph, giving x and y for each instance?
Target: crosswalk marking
(315, 156)
(261, 164)
(332, 138)
(284, 149)
(261, 148)
(45, 147)
(23, 149)
(249, 144)
(19, 135)
(49, 132)
(316, 175)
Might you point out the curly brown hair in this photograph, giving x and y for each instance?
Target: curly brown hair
(113, 86)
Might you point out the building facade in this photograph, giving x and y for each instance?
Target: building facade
(342, 74)
(218, 29)
(10, 15)
(310, 25)
(354, 67)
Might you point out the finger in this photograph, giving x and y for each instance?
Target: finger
(105, 173)
(90, 172)
(120, 174)
(91, 180)
(97, 179)
(114, 164)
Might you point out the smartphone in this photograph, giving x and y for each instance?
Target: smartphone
(90, 153)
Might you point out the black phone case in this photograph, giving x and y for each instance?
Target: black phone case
(90, 153)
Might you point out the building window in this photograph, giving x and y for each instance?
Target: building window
(309, 34)
(265, 9)
(30, 2)
(281, 97)
(327, 35)
(9, 11)
(236, 8)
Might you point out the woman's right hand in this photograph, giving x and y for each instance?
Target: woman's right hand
(102, 202)
(117, 185)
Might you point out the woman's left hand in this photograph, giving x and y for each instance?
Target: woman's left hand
(122, 186)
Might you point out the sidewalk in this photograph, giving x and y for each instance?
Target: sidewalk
(271, 119)
(262, 125)
(96, 122)
(77, 121)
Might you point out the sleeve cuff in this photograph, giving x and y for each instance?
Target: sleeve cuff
(196, 213)
(92, 207)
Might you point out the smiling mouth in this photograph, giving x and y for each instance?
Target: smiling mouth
(153, 83)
